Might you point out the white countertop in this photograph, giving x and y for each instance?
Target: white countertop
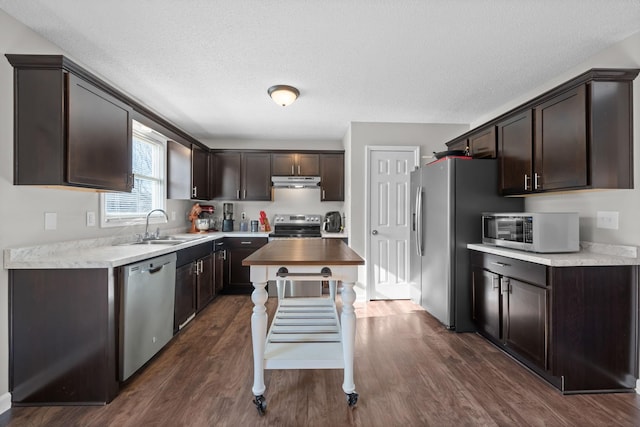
(591, 254)
(103, 252)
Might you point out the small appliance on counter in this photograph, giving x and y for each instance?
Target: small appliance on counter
(332, 222)
(206, 215)
(227, 221)
(544, 232)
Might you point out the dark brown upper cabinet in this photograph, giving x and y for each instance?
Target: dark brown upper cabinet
(576, 136)
(515, 153)
(482, 145)
(200, 179)
(560, 144)
(188, 172)
(332, 177)
(242, 175)
(68, 131)
(295, 164)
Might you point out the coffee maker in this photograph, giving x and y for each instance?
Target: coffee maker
(227, 221)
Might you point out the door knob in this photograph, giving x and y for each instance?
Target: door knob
(374, 232)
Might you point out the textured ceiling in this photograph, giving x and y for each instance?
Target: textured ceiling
(206, 64)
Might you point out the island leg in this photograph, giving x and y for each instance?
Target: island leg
(333, 284)
(258, 337)
(348, 321)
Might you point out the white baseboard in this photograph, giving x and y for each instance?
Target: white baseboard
(638, 386)
(5, 402)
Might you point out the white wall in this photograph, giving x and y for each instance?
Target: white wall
(429, 137)
(22, 208)
(625, 54)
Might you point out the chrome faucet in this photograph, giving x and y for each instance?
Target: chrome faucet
(148, 236)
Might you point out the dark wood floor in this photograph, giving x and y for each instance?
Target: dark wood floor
(409, 372)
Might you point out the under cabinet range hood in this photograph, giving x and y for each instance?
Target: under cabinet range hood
(296, 181)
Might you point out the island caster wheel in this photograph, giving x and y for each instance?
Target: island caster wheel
(261, 404)
(352, 399)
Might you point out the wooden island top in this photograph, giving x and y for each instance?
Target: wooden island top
(304, 252)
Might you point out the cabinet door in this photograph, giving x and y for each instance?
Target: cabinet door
(185, 298)
(178, 171)
(515, 151)
(200, 174)
(482, 145)
(332, 177)
(308, 164)
(487, 314)
(283, 164)
(218, 271)
(526, 320)
(204, 292)
(256, 176)
(561, 141)
(98, 138)
(227, 169)
(237, 278)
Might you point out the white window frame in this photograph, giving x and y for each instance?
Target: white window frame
(142, 132)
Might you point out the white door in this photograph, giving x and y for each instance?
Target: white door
(389, 226)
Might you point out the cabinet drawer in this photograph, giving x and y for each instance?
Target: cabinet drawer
(523, 270)
(185, 256)
(245, 242)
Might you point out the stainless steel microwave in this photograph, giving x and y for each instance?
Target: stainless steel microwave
(535, 232)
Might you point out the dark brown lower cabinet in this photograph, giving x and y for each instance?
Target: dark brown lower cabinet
(185, 297)
(62, 338)
(525, 319)
(218, 266)
(576, 327)
(194, 282)
(236, 278)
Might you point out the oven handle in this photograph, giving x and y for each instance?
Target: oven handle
(283, 272)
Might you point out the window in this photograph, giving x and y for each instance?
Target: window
(148, 157)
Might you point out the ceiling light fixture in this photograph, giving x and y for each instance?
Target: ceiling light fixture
(283, 95)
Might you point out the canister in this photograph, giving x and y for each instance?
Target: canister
(254, 225)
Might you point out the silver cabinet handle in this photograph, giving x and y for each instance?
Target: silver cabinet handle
(292, 172)
(298, 169)
(245, 243)
(244, 194)
(323, 196)
(495, 283)
(535, 181)
(374, 232)
(194, 192)
(526, 178)
(500, 264)
(238, 194)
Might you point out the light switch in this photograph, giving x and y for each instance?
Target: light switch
(91, 219)
(50, 220)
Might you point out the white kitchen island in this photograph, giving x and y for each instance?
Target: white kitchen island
(305, 332)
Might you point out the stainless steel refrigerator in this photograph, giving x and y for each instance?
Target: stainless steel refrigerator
(448, 198)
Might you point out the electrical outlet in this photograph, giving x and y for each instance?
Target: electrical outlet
(91, 219)
(50, 220)
(607, 219)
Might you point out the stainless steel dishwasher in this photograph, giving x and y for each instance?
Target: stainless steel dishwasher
(146, 315)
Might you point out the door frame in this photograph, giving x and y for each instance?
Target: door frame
(369, 149)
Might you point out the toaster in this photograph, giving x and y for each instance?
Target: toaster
(333, 222)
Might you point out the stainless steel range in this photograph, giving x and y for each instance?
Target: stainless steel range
(296, 226)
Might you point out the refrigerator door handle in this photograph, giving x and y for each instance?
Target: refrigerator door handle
(419, 246)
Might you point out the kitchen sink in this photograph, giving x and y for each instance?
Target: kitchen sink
(165, 240)
(160, 242)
